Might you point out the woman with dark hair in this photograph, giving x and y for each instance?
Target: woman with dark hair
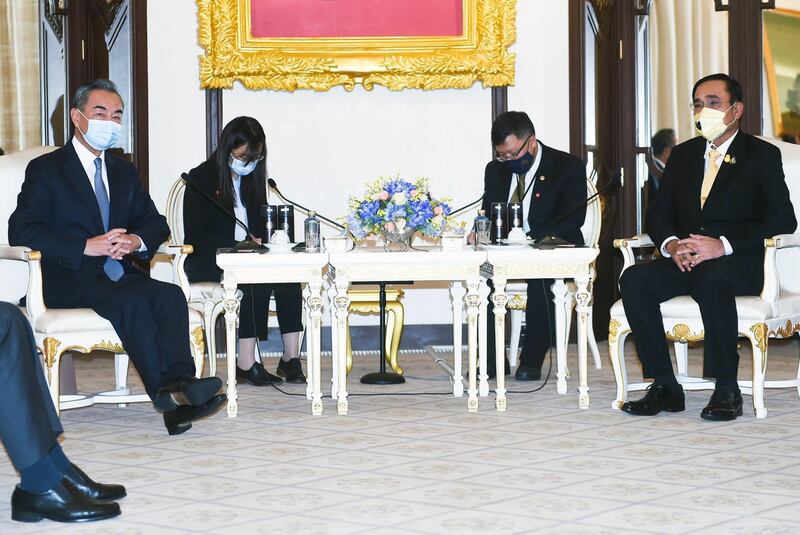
(235, 175)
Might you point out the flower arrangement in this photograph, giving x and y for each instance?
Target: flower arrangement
(397, 206)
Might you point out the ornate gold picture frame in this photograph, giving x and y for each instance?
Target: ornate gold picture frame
(479, 53)
(782, 66)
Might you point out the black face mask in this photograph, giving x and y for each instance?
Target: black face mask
(521, 165)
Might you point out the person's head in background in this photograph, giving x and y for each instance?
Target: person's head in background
(661, 144)
(786, 138)
(241, 153)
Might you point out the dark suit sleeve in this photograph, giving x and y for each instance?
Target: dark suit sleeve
(660, 212)
(145, 220)
(29, 224)
(777, 211)
(573, 193)
(487, 197)
(195, 225)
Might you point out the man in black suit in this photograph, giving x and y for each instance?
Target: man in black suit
(719, 198)
(86, 210)
(50, 485)
(548, 183)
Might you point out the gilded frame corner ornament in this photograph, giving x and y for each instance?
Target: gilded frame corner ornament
(286, 64)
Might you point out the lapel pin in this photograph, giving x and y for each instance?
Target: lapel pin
(542, 178)
(730, 159)
(538, 195)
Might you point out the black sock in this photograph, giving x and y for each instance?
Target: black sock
(668, 381)
(726, 384)
(42, 475)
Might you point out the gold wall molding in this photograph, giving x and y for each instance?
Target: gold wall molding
(286, 64)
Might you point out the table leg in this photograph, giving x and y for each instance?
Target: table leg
(342, 302)
(334, 342)
(231, 305)
(499, 300)
(583, 297)
(308, 336)
(483, 385)
(457, 293)
(473, 307)
(314, 305)
(559, 296)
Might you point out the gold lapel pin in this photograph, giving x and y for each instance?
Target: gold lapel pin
(730, 159)
(541, 178)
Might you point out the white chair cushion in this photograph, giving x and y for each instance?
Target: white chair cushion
(748, 308)
(84, 320)
(201, 291)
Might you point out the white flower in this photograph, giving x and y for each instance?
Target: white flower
(400, 224)
(436, 220)
(399, 198)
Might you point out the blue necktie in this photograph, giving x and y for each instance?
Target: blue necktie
(112, 267)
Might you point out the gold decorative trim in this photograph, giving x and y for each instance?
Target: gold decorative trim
(199, 340)
(104, 345)
(683, 333)
(187, 249)
(50, 352)
(286, 64)
(620, 243)
(517, 302)
(786, 330)
(760, 334)
(770, 242)
(33, 256)
(613, 331)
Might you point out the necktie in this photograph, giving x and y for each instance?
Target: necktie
(710, 175)
(112, 267)
(519, 191)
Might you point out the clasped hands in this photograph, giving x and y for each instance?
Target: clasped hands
(689, 252)
(115, 243)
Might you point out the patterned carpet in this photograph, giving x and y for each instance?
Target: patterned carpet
(422, 464)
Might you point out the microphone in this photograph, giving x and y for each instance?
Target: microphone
(550, 240)
(250, 243)
(274, 186)
(466, 206)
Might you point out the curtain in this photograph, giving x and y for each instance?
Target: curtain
(688, 40)
(20, 120)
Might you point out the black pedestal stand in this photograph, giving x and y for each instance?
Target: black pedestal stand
(383, 377)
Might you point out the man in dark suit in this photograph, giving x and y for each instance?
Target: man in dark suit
(50, 485)
(719, 198)
(85, 210)
(548, 183)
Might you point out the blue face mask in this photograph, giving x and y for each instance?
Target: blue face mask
(521, 165)
(101, 135)
(242, 168)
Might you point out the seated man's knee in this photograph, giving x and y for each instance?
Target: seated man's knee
(632, 280)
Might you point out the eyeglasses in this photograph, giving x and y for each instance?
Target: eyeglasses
(243, 158)
(511, 156)
(713, 103)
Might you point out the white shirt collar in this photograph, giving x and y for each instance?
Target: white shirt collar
(721, 149)
(85, 155)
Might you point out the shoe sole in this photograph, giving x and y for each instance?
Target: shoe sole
(295, 381)
(710, 418)
(665, 409)
(32, 516)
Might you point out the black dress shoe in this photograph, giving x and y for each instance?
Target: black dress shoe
(291, 371)
(62, 503)
(528, 373)
(657, 398)
(258, 376)
(186, 391)
(491, 371)
(725, 404)
(91, 489)
(180, 420)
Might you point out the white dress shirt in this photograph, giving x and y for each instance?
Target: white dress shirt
(722, 150)
(530, 185)
(87, 162)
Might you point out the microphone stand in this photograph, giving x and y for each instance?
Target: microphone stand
(274, 185)
(551, 241)
(246, 245)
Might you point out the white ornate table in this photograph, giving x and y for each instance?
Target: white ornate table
(252, 268)
(528, 263)
(460, 267)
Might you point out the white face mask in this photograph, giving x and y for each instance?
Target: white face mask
(711, 123)
(241, 167)
(101, 135)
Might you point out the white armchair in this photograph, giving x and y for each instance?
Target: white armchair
(775, 313)
(517, 290)
(80, 329)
